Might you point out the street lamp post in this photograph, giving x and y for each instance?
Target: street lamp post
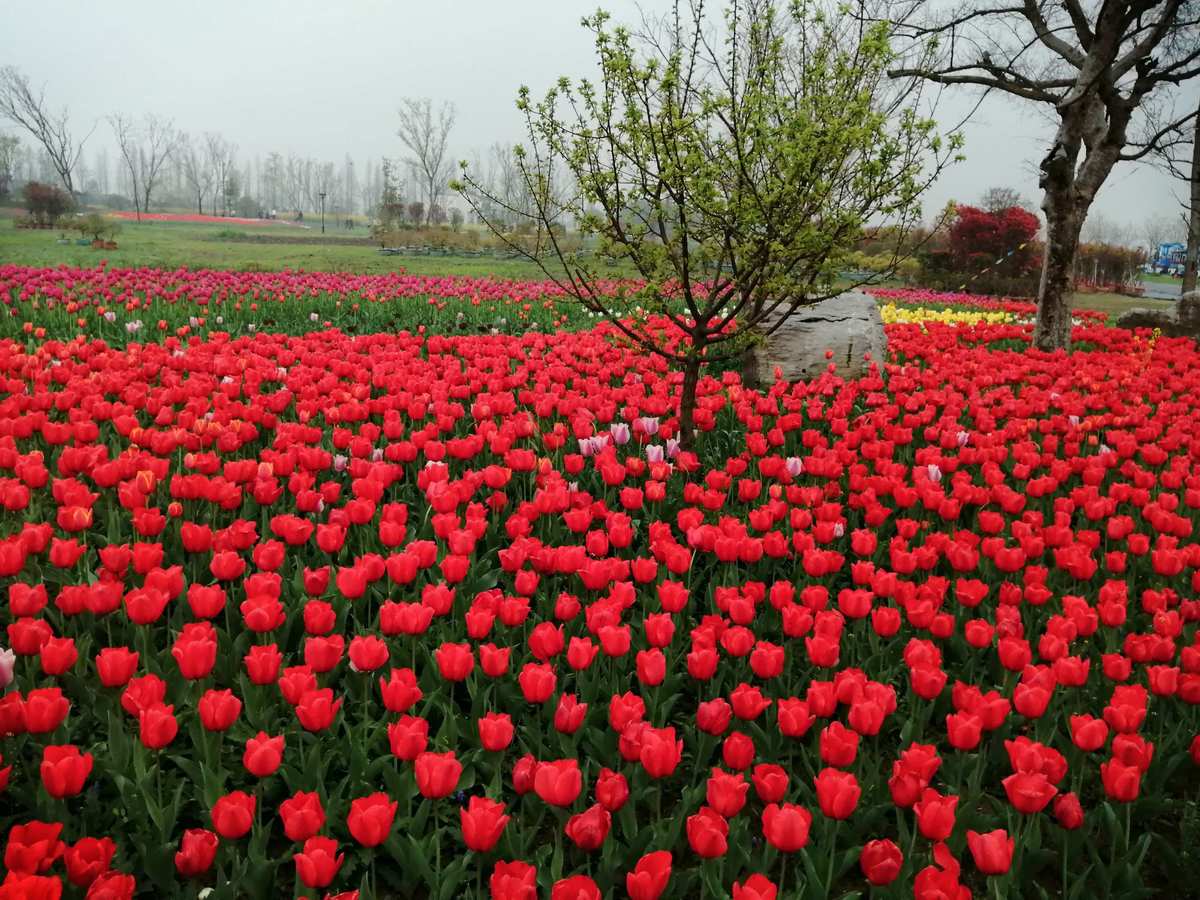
(322, 196)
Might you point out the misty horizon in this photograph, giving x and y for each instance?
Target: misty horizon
(319, 81)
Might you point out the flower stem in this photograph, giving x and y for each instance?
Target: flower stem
(832, 858)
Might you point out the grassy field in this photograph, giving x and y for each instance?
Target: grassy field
(247, 247)
(201, 246)
(1115, 304)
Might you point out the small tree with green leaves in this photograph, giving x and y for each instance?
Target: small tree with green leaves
(96, 227)
(731, 164)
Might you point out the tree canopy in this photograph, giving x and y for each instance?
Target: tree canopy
(732, 164)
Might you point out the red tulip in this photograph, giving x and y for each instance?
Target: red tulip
(513, 880)
(935, 814)
(837, 793)
(88, 858)
(881, 862)
(708, 833)
(262, 663)
(589, 828)
(112, 886)
(263, 754)
(577, 887)
(218, 710)
(322, 654)
(940, 881)
(558, 783)
(726, 793)
(64, 770)
(33, 847)
(770, 782)
(454, 661)
(58, 655)
(660, 751)
(157, 726)
(367, 653)
(195, 651)
(495, 731)
(400, 691)
(1029, 792)
(786, 827)
(1088, 733)
(483, 822)
(1121, 782)
(713, 716)
(537, 682)
(1068, 811)
(756, 887)
(612, 790)
(569, 714)
(524, 772)
(115, 666)
(319, 862)
(233, 815)
(45, 710)
(737, 751)
(992, 851)
(317, 709)
(371, 817)
(437, 774)
(303, 816)
(197, 851)
(649, 877)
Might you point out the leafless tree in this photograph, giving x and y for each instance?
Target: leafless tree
(124, 130)
(324, 181)
(295, 181)
(1100, 229)
(347, 187)
(144, 147)
(371, 188)
(220, 156)
(1191, 265)
(273, 179)
(1159, 228)
(426, 136)
(196, 171)
(997, 199)
(19, 103)
(100, 170)
(10, 144)
(1105, 69)
(1182, 159)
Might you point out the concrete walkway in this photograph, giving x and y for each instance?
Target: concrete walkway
(1157, 290)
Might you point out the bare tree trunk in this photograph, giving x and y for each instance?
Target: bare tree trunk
(1064, 219)
(1052, 328)
(1192, 256)
(687, 403)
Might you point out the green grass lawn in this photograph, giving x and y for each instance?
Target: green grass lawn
(1161, 279)
(203, 246)
(241, 247)
(1115, 304)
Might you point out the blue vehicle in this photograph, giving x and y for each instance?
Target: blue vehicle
(1168, 260)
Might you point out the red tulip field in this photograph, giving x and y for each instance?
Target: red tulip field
(320, 585)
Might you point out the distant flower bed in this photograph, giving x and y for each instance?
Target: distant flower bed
(893, 314)
(943, 299)
(113, 303)
(199, 219)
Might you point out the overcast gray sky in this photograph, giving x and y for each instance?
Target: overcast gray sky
(322, 78)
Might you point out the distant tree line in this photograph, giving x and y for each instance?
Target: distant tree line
(158, 166)
(996, 245)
